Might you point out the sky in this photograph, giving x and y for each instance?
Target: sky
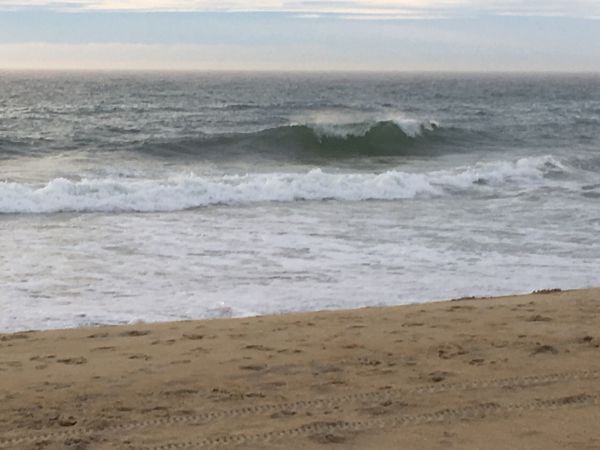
(313, 35)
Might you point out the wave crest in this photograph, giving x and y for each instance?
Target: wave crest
(315, 141)
(191, 191)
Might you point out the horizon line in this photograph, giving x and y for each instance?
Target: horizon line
(308, 71)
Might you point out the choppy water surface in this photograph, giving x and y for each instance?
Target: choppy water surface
(130, 197)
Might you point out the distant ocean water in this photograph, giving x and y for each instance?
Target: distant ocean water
(127, 197)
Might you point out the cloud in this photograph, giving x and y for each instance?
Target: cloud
(376, 9)
(127, 56)
(205, 41)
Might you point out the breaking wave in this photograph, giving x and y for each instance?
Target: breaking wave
(191, 191)
(309, 141)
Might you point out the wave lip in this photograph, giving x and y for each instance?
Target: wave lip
(315, 140)
(327, 126)
(191, 191)
(381, 138)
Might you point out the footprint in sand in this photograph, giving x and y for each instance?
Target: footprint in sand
(77, 360)
(254, 367)
(42, 358)
(438, 376)
(135, 333)
(193, 336)
(66, 421)
(449, 351)
(539, 318)
(328, 438)
(166, 342)
(544, 349)
(283, 414)
(352, 346)
(197, 351)
(260, 348)
(586, 340)
(98, 335)
(477, 362)
(103, 349)
(142, 356)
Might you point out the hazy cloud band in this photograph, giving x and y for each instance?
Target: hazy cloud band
(394, 9)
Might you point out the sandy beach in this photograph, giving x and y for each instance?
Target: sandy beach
(519, 372)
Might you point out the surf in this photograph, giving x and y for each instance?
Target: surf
(181, 192)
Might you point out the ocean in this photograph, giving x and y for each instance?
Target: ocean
(128, 197)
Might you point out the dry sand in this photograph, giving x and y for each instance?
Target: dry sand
(508, 373)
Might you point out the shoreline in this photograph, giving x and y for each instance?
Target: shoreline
(464, 373)
(142, 322)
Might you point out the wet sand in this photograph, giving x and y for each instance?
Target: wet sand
(519, 372)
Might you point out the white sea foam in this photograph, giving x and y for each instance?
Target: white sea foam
(345, 124)
(191, 191)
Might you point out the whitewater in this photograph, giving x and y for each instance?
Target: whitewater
(150, 197)
(191, 191)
